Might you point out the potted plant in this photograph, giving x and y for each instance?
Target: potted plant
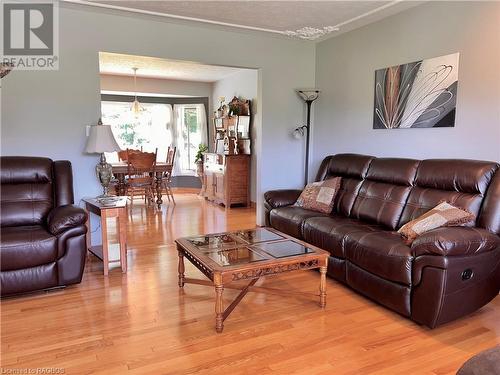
(199, 159)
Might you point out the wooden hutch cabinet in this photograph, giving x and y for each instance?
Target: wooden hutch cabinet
(227, 179)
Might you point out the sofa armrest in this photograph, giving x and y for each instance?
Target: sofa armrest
(455, 241)
(281, 198)
(65, 217)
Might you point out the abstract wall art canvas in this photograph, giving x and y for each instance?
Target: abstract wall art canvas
(421, 94)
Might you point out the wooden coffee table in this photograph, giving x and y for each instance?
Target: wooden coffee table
(248, 255)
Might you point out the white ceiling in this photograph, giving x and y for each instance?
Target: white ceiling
(153, 67)
(278, 17)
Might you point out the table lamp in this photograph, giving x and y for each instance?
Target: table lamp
(101, 140)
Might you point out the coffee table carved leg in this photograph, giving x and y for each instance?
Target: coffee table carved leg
(219, 308)
(181, 268)
(322, 287)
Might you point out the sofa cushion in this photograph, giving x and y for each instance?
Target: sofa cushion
(319, 196)
(290, 219)
(352, 168)
(382, 253)
(329, 233)
(26, 246)
(27, 193)
(462, 183)
(443, 215)
(384, 192)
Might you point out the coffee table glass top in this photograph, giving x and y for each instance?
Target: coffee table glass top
(247, 246)
(258, 235)
(216, 241)
(282, 249)
(239, 255)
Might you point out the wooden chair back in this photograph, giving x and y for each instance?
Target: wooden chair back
(141, 166)
(123, 155)
(170, 161)
(171, 155)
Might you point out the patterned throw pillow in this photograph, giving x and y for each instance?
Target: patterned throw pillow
(443, 215)
(319, 196)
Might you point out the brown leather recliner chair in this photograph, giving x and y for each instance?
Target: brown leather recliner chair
(42, 242)
(445, 274)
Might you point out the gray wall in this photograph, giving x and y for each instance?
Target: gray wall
(243, 85)
(345, 68)
(45, 113)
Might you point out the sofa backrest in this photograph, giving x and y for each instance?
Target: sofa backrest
(384, 191)
(352, 168)
(31, 187)
(489, 217)
(392, 191)
(460, 182)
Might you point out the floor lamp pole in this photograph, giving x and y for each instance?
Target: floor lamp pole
(308, 130)
(308, 96)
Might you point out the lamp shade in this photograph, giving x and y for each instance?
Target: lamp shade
(308, 94)
(101, 139)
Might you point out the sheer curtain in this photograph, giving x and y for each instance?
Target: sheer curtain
(150, 130)
(187, 138)
(202, 123)
(177, 138)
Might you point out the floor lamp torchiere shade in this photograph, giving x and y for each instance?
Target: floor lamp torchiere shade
(101, 140)
(308, 96)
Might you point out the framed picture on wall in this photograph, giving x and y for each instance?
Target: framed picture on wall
(219, 146)
(421, 94)
(218, 123)
(243, 127)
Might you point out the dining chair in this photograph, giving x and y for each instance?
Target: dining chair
(122, 155)
(166, 179)
(141, 175)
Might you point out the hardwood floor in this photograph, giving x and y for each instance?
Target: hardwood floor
(141, 323)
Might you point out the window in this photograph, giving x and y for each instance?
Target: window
(159, 126)
(192, 137)
(190, 129)
(148, 131)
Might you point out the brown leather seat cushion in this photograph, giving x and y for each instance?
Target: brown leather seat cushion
(382, 253)
(329, 233)
(26, 246)
(290, 219)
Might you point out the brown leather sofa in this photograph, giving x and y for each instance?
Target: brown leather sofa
(445, 274)
(42, 242)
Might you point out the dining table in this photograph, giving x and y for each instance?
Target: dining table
(120, 169)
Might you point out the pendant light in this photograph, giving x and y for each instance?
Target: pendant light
(136, 107)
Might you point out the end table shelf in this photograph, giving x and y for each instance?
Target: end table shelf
(118, 210)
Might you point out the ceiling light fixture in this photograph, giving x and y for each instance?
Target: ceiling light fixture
(311, 33)
(136, 107)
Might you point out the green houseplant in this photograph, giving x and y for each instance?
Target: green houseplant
(199, 155)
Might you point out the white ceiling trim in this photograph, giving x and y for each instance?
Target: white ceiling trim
(313, 35)
(167, 15)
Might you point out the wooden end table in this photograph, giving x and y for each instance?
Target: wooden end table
(248, 255)
(118, 210)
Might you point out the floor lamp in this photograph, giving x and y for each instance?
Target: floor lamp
(309, 96)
